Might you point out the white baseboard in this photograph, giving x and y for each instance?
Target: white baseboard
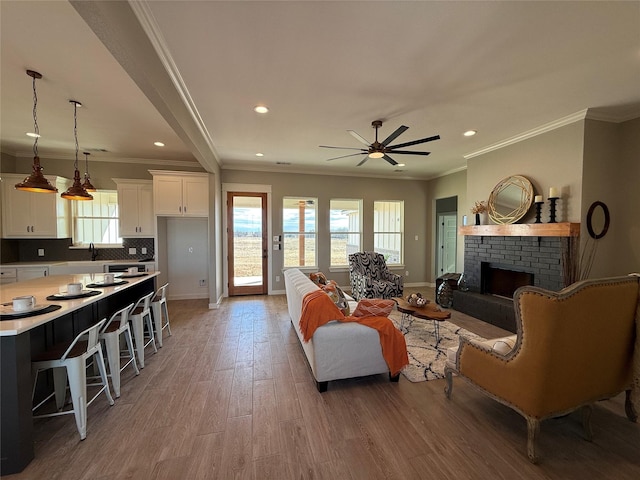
(419, 284)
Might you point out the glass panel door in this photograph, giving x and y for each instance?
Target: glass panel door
(247, 243)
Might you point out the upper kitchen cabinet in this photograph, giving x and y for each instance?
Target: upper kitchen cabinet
(34, 215)
(135, 207)
(180, 194)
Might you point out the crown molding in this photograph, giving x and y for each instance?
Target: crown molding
(561, 122)
(142, 161)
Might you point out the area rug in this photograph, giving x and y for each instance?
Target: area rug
(426, 361)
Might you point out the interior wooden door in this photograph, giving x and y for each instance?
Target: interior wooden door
(247, 245)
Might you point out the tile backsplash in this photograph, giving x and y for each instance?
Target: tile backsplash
(26, 250)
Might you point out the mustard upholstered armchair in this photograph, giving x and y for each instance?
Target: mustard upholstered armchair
(572, 348)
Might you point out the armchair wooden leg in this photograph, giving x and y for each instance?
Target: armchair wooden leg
(629, 407)
(448, 374)
(587, 410)
(533, 429)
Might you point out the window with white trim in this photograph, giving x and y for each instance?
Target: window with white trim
(96, 221)
(299, 228)
(345, 227)
(388, 230)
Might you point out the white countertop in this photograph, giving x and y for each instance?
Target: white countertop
(42, 287)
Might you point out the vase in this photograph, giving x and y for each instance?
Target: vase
(462, 283)
(477, 219)
(444, 295)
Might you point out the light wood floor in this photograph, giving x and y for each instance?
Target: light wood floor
(230, 396)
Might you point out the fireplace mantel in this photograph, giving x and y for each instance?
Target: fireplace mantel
(563, 229)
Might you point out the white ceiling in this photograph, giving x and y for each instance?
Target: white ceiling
(501, 68)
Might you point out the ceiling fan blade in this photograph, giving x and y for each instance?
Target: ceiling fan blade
(389, 159)
(344, 156)
(415, 142)
(343, 148)
(409, 152)
(399, 131)
(359, 138)
(363, 160)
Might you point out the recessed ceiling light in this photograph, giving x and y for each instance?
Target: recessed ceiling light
(400, 165)
(158, 144)
(259, 154)
(261, 109)
(470, 133)
(34, 135)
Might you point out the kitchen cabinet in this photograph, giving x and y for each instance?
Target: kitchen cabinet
(34, 215)
(181, 194)
(8, 275)
(135, 207)
(27, 273)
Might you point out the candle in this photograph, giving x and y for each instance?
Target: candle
(538, 199)
(553, 192)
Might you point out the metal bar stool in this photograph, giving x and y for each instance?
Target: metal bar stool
(140, 317)
(159, 310)
(70, 361)
(118, 325)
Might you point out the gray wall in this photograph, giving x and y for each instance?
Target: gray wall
(416, 212)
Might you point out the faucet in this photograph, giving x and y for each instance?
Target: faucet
(94, 252)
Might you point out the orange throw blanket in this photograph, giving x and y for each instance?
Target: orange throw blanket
(318, 309)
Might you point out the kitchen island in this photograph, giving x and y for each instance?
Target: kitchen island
(21, 338)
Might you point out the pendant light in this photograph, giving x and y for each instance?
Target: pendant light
(87, 178)
(76, 191)
(36, 182)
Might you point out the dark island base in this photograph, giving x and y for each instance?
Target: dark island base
(497, 311)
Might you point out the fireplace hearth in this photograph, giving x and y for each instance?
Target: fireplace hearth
(495, 266)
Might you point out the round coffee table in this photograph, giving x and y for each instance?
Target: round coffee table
(430, 311)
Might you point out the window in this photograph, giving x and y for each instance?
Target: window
(97, 220)
(300, 226)
(345, 226)
(388, 228)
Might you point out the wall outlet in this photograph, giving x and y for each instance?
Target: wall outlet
(41, 252)
(406, 273)
(132, 251)
(144, 250)
(203, 283)
(277, 278)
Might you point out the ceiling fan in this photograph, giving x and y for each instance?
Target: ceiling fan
(381, 149)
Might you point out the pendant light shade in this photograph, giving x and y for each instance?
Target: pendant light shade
(36, 182)
(87, 178)
(76, 191)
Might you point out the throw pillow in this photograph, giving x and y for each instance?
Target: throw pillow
(374, 307)
(318, 278)
(337, 295)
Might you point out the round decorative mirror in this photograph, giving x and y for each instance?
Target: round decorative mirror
(510, 199)
(598, 220)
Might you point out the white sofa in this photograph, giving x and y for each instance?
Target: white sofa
(336, 350)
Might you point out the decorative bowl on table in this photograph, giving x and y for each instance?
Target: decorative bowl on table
(417, 300)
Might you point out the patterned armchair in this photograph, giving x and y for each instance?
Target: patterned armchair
(370, 277)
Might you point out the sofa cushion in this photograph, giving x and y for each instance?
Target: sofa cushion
(337, 295)
(374, 307)
(318, 278)
(501, 346)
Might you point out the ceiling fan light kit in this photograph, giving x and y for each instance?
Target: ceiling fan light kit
(382, 149)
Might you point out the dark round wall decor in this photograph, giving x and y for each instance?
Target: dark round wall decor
(598, 219)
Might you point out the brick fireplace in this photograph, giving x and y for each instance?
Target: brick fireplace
(496, 262)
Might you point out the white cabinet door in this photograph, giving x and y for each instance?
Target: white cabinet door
(28, 214)
(128, 210)
(180, 195)
(145, 210)
(196, 196)
(167, 195)
(135, 205)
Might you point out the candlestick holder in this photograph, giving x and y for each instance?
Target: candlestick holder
(552, 209)
(538, 211)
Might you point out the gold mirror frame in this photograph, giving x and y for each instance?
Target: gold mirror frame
(510, 199)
